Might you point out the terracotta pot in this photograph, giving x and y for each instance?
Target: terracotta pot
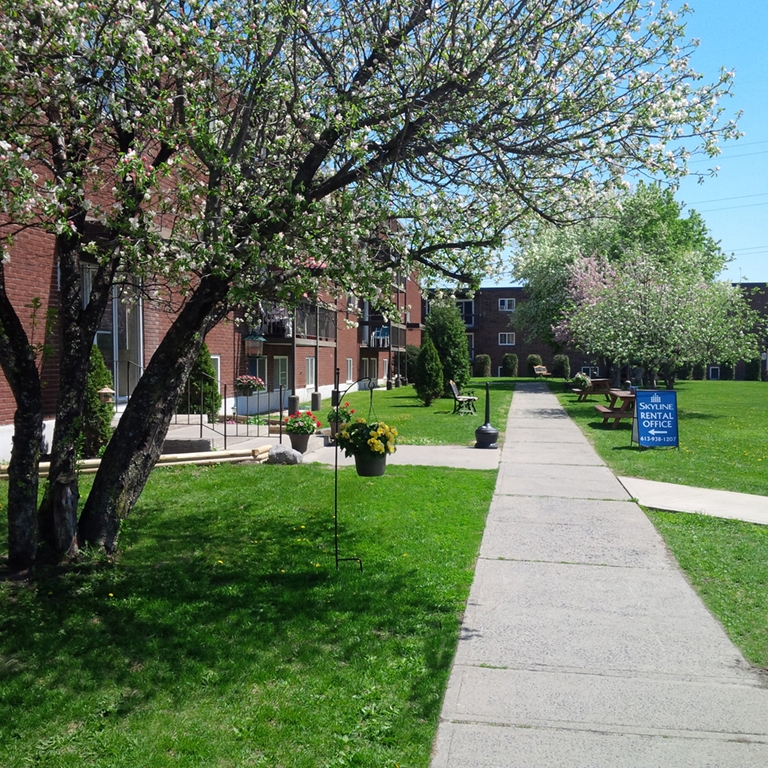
(299, 442)
(370, 464)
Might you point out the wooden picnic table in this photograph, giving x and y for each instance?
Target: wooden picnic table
(596, 387)
(621, 406)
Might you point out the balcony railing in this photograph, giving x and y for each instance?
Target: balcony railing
(307, 322)
(382, 336)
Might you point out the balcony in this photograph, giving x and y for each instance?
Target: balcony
(381, 336)
(307, 321)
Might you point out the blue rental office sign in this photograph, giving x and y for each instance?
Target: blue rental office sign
(655, 424)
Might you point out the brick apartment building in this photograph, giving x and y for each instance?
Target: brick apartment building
(488, 317)
(488, 314)
(297, 352)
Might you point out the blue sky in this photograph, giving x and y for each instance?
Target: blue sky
(734, 35)
(734, 203)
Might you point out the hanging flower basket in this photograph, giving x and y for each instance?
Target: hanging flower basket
(370, 444)
(370, 465)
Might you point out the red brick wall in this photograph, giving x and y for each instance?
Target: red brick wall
(30, 274)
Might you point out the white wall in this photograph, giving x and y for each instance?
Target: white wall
(6, 439)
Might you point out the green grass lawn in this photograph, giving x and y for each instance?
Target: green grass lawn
(222, 634)
(723, 437)
(727, 563)
(723, 444)
(436, 424)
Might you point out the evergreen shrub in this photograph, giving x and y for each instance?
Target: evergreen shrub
(202, 377)
(445, 327)
(753, 369)
(561, 367)
(509, 365)
(532, 362)
(483, 366)
(428, 381)
(727, 371)
(97, 416)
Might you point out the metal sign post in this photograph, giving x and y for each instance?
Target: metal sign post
(655, 422)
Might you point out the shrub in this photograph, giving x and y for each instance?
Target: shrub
(727, 371)
(561, 366)
(483, 366)
(202, 378)
(509, 365)
(753, 369)
(698, 371)
(532, 362)
(411, 357)
(97, 416)
(445, 327)
(685, 371)
(428, 381)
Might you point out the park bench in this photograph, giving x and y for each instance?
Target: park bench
(540, 371)
(462, 403)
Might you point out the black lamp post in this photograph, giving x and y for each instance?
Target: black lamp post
(486, 436)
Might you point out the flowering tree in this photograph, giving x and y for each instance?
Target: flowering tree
(639, 311)
(270, 143)
(646, 221)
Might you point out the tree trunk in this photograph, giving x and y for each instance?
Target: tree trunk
(23, 482)
(57, 516)
(17, 359)
(136, 444)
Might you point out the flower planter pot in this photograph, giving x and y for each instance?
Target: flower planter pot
(370, 465)
(299, 442)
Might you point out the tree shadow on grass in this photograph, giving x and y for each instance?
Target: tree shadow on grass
(224, 595)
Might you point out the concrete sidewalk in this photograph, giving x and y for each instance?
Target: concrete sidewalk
(583, 645)
(683, 498)
(459, 456)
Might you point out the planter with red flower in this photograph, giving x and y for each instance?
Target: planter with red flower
(338, 415)
(300, 426)
(247, 384)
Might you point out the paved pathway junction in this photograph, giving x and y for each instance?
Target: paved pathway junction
(583, 645)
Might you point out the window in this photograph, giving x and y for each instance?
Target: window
(506, 305)
(467, 310)
(507, 339)
(364, 368)
(216, 363)
(373, 370)
(257, 366)
(310, 372)
(714, 372)
(350, 370)
(591, 370)
(281, 372)
(471, 345)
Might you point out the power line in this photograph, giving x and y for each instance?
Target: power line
(724, 199)
(733, 207)
(751, 248)
(728, 157)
